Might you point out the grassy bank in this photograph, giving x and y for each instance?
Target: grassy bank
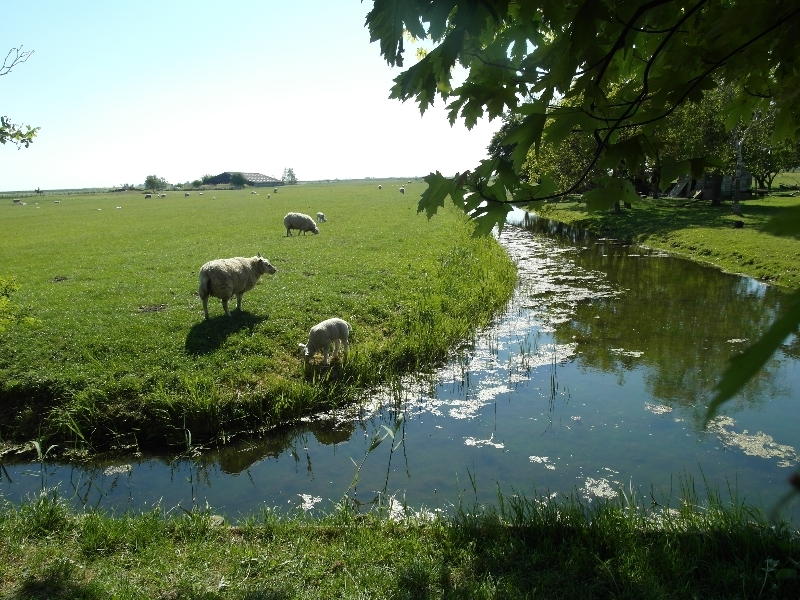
(108, 345)
(528, 548)
(696, 230)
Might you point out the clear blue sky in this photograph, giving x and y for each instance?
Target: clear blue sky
(179, 89)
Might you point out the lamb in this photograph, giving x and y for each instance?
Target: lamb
(402, 190)
(146, 196)
(322, 335)
(224, 277)
(321, 217)
(299, 221)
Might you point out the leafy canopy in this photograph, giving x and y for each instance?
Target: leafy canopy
(19, 135)
(587, 68)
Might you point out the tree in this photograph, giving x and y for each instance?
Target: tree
(596, 69)
(197, 183)
(238, 180)
(19, 135)
(622, 67)
(206, 178)
(155, 183)
(289, 177)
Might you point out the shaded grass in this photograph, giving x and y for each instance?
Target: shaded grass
(528, 547)
(111, 349)
(700, 232)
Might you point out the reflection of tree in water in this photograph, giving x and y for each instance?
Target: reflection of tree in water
(330, 432)
(679, 320)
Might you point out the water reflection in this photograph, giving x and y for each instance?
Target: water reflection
(595, 378)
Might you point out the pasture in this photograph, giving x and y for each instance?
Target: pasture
(109, 347)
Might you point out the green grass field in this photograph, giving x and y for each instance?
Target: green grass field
(696, 230)
(108, 346)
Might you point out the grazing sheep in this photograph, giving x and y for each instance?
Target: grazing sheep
(225, 277)
(201, 193)
(402, 190)
(163, 196)
(254, 193)
(186, 193)
(213, 197)
(380, 187)
(299, 221)
(58, 202)
(322, 335)
(146, 196)
(321, 217)
(269, 195)
(275, 190)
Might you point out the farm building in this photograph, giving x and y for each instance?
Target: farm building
(253, 179)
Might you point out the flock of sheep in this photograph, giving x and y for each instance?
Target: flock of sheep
(225, 278)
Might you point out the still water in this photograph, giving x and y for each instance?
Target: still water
(594, 381)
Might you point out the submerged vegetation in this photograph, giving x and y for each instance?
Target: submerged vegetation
(116, 352)
(526, 547)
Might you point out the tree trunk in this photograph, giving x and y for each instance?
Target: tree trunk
(737, 182)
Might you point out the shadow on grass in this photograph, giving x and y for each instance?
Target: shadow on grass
(207, 336)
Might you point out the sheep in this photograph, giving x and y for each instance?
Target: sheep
(163, 196)
(269, 196)
(322, 335)
(380, 187)
(186, 193)
(299, 221)
(254, 193)
(201, 193)
(146, 196)
(213, 197)
(57, 202)
(402, 190)
(225, 277)
(275, 190)
(321, 217)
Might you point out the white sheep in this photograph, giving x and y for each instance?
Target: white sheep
(201, 193)
(322, 335)
(57, 202)
(276, 190)
(163, 196)
(321, 217)
(402, 190)
(146, 196)
(269, 195)
(254, 193)
(380, 187)
(213, 197)
(225, 277)
(299, 221)
(186, 193)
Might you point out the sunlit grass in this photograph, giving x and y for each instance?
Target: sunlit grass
(525, 547)
(110, 347)
(698, 231)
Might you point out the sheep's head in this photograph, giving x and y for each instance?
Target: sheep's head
(315, 230)
(304, 351)
(264, 265)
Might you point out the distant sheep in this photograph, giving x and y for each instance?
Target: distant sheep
(269, 195)
(380, 187)
(186, 193)
(146, 196)
(402, 190)
(301, 222)
(275, 190)
(254, 193)
(201, 193)
(225, 277)
(163, 196)
(322, 335)
(213, 197)
(321, 217)
(58, 202)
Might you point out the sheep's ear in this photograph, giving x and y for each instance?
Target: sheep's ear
(259, 255)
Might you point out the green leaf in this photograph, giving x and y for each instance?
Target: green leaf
(744, 366)
(611, 192)
(432, 199)
(494, 213)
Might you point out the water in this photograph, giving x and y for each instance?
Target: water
(594, 380)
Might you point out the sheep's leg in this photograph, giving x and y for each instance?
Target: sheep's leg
(336, 348)
(327, 349)
(205, 306)
(346, 345)
(288, 232)
(239, 301)
(225, 306)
